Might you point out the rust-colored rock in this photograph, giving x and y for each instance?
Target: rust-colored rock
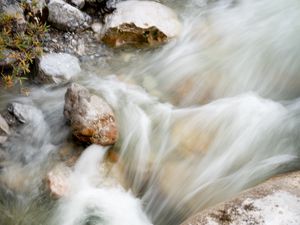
(92, 120)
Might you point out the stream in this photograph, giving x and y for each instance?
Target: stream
(200, 119)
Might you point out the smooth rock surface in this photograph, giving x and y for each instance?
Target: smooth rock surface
(66, 17)
(275, 202)
(92, 120)
(57, 67)
(140, 24)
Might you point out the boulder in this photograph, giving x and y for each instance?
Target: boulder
(66, 17)
(4, 130)
(57, 181)
(91, 118)
(275, 202)
(140, 24)
(57, 67)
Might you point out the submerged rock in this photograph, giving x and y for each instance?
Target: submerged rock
(275, 202)
(57, 181)
(92, 120)
(140, 24)
(57, 67)
(66, 17)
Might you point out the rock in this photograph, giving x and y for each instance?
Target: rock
(96, 27)
(78, 3)
(92, 119)
(57, 181)
(57, 67)
(23, 113)
(140, 24)
(66, 17)
(275, 202)
(4, 130)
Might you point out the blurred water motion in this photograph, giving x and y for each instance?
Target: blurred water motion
(204, 117)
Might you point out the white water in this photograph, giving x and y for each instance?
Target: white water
(208, 115)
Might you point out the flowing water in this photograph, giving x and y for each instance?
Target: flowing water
(208, 115)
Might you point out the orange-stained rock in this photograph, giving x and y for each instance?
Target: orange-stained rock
(140, 24)
(92, 119)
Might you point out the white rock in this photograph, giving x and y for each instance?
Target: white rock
(66, 17)
(57, 67)
(142, 15)
(96, 27)
(145, 14)
(23, 113)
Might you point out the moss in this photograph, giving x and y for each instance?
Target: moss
(20, 44)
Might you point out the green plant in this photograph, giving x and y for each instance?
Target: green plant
(21, 43)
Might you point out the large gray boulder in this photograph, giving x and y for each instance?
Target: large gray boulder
(92, 120)
(66, 17)
(140, 24)
(57, 68)
(275, 202)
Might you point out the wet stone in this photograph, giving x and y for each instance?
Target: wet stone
(91, 118)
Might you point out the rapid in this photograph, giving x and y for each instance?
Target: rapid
(211, 113)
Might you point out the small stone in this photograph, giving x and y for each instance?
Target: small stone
(57, 67)
(81, 48)
(66, 17)
(74, 42)
(96, 27)
(23, 113)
